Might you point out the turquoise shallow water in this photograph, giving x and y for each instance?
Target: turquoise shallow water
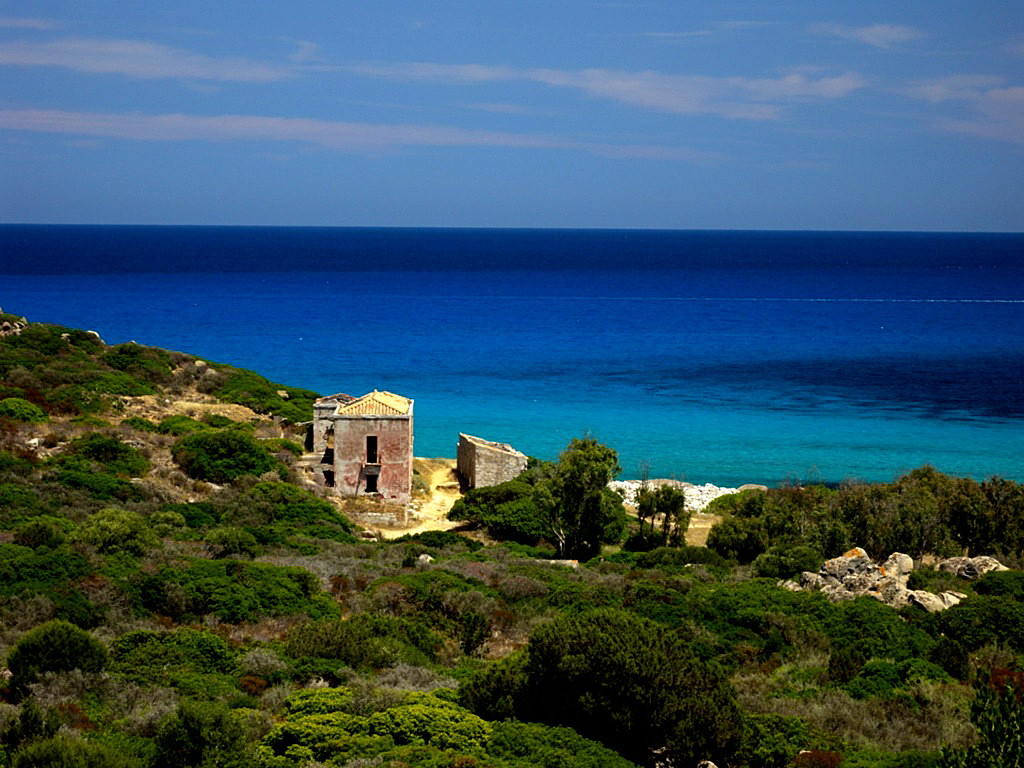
(808, 365)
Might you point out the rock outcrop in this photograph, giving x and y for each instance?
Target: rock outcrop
(853, 574)
(971, 568)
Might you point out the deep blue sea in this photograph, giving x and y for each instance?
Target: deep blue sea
(723, 357)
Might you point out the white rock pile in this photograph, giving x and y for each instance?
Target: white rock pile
(853, 575)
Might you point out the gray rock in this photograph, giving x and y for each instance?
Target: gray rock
(971, 568)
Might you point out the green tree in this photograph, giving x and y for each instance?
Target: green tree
(669, 505)
(56, 646)
(580, 511)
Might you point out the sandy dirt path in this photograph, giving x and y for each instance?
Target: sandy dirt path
(429, 512)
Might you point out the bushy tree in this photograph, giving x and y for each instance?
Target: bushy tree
(56, 646)
(624, 681)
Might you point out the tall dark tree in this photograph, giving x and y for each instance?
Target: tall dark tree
(580, 511)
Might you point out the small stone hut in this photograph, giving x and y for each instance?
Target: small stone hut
(481, 463)
(365, 444)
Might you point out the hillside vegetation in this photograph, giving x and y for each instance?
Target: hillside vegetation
(173, 594)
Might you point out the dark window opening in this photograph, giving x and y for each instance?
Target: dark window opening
(329, 478)
(328, 457)
(371, 449)
(371, 483)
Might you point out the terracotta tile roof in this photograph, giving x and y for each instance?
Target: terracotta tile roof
(377, 403)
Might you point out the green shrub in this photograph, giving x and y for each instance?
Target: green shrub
(534, 744)
(232, 541)
(107, 452)
(440, 540)
(739, 538)
(67, 752)
(221, 456)
(773, 741)
(784, 562)
(39, 533)
(149, 363)
(139, 423)
(17, 409)
(56, 646)
(161, 658)
(253, 391)
(366, 641)
(197, 514)
(322, 725)
(233, 591)
(117, 531)
(997, 714)
(179, 425)
(506, 510)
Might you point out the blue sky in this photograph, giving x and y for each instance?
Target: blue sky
(562, 113)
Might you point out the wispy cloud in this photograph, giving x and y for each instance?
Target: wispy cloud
(26, 23)
(731, 97)
(137, 58)
(334, 135)
(877, 35)
(995, 110)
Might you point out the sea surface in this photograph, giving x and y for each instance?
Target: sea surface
(722, 357)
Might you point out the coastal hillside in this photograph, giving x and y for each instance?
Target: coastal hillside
(175, 592)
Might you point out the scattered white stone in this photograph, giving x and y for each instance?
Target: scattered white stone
(697, 496)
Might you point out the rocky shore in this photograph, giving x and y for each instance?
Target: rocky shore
(697, 496)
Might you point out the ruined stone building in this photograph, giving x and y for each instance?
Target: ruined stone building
(365, 444)
(482, 463)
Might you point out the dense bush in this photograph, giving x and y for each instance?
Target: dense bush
(923, 512)
(366, 641)
(202, 734)
(56, 646)
(117, 531)
(233, 591)
(324, 725)
(106, 452)
(506, 511)
(68, 752)
(221, 456)
(169, 658)
(19, 409)
(624, 681)
(263, 396)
